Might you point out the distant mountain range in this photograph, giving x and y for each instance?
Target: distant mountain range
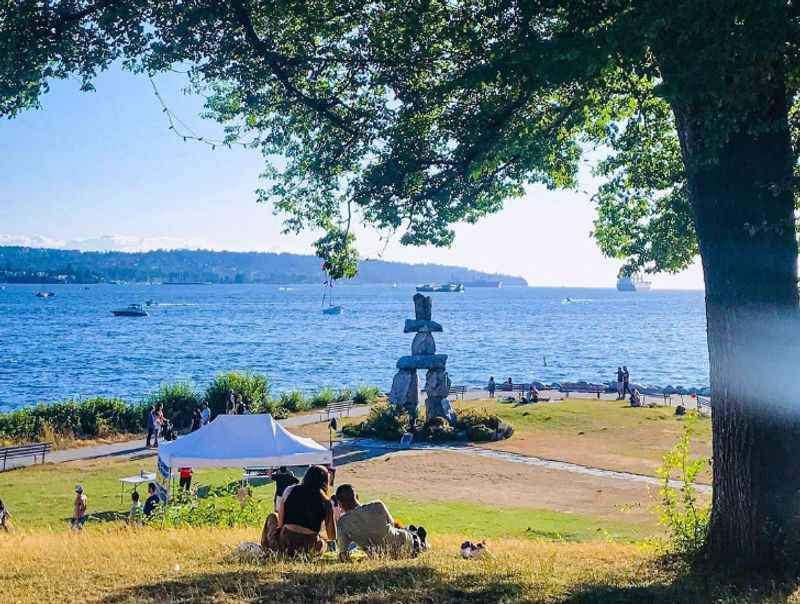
(46, 265)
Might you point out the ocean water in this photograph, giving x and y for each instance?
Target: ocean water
(71, 345)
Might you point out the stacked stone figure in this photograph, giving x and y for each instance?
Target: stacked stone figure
(405, 387)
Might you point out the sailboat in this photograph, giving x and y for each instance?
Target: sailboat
(331, 309)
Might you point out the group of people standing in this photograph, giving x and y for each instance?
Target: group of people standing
(304, 508)
(235, 405)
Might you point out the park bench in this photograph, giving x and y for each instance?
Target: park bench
(458, 391)
(35, 450)
(520, 388)
(337, 408)
(597, 389)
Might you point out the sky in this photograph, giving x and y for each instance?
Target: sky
(102, 171)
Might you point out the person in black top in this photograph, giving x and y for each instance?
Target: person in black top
(303, 509)
(492, 386)
(283, 479)
(626, 381)
(620, 385)
(152, 499)
(197, 419)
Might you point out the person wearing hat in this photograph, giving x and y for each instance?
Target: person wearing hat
(79, 513)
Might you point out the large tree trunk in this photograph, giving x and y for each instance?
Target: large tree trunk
(744, 216)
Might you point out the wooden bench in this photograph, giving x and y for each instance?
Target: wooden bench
(520, 388)
(458, 391)
(583, 388)
(337, 408)
(35, 450)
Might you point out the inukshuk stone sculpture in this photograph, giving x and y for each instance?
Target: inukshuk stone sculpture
(405, 387)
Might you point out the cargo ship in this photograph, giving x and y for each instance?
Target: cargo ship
(633, 283)
(484, 283)
(445, 287)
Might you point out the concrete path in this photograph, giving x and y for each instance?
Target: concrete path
(134, 448)
(384, 447)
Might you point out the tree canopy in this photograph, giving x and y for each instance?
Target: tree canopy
(416, 115)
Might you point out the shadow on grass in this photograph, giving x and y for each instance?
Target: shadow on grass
(405, 583)
(695, 585)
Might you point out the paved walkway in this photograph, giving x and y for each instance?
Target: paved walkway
(133, 448)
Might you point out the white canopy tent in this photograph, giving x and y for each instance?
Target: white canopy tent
(242, 441)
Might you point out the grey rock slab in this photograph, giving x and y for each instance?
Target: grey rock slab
(422, 361)
(439, 407)
(422, 307)
(405, 388)
(423, 344)
(437, 384)
(415, 326)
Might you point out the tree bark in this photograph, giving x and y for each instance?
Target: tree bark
(743, 208)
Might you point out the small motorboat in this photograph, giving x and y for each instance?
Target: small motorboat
(45, 294)
(332, 310)
(132, 310)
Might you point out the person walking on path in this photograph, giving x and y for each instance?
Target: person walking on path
(205, 414)
(151, 425)
(492, 387)
(79, 510)
(158, 422)
(626, 381)
(620, 384)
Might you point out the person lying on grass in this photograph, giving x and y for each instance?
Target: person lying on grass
(372, 528)
(302, 510)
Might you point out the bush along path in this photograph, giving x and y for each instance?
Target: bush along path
(133, 448)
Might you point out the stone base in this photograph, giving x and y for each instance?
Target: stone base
(439, 408)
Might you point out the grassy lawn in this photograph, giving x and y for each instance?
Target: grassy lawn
(605, 434)
(42, 497)
(195, 565)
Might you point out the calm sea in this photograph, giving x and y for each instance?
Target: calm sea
(71, 345)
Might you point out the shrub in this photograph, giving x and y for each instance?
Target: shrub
(294, 401)
(685, 518)
(88, 418)
(221, 509)
(366, 395)
(471, 418)
(345, 394)
(386, 422)
(178, 400)
(252, 387)
(324, 397)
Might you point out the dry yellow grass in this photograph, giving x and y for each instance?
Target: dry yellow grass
(193, 565)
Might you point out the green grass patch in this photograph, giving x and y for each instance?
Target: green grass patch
(590, 415)
(42, 496)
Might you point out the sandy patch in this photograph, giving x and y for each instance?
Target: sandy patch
(449, 476)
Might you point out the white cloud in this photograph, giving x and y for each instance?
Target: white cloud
(119, 243)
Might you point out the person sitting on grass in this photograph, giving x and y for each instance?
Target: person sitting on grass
(636, 399)
(5, 516)
(152, 500)
(533, 394)
(283, 478)
(135, 513)
(301, 513)
(371, 527)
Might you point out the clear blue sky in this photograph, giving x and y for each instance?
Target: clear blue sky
(103, 171)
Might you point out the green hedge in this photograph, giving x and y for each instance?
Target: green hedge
(252, 387)
(87, 418)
